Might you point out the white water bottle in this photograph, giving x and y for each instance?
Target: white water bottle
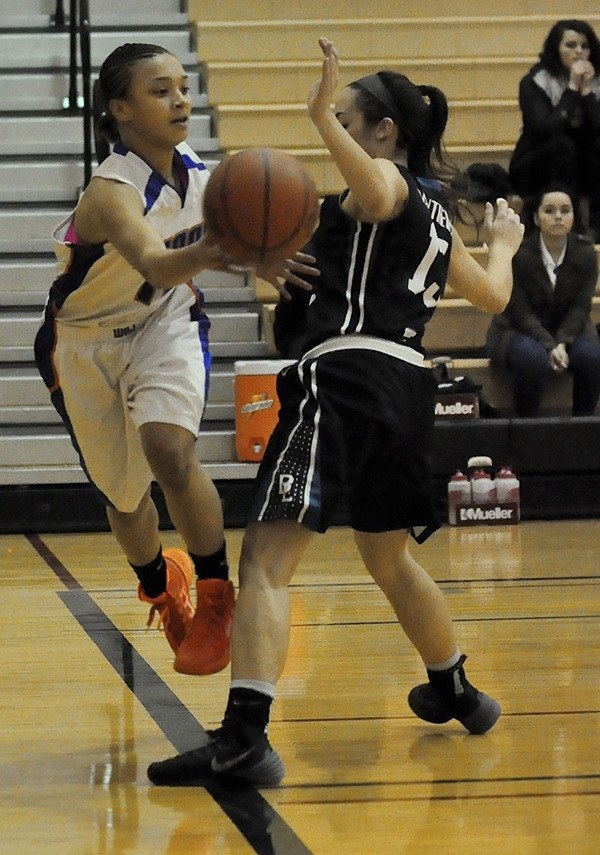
(483, 489)
(459, 493)
(507, 484)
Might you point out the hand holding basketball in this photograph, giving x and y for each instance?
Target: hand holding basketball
(290, 271)
(261, 206)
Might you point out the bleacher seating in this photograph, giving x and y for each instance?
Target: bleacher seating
(258, 67)
(457, 329)
(41, 173)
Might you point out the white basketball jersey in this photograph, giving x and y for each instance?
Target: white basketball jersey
(95, 286)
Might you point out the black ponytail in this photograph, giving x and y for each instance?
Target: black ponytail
(421, 113)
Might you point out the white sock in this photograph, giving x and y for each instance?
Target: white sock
(258, 686)
(445, 666)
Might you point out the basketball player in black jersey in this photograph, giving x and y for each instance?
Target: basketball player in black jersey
(357, 411)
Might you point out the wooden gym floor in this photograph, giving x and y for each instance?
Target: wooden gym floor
(89, 698)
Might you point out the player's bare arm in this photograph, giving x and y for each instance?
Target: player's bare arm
(377, 190)
(489, 289)
(111, 211)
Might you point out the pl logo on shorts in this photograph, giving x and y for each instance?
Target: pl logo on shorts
(286, 482)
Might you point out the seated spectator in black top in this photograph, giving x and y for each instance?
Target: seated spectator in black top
(547, 324)
(560, 104)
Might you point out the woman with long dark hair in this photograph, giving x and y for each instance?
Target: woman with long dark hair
(559, 99)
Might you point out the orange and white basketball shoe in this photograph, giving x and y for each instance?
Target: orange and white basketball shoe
(206, 648)
(174, 607)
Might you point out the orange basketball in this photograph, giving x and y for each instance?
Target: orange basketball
(261, 205)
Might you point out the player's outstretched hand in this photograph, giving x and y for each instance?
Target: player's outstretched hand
(321, 94)
(290, 270)
(504, 226)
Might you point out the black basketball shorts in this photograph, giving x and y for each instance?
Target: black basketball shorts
(354, 431)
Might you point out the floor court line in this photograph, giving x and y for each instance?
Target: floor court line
(259, 823)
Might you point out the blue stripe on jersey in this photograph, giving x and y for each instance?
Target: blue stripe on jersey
(429, 184)
(198, 314)
(156, 182)
(153, 189)
(191, 164)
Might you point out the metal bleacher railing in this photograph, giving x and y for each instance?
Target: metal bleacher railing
(48, 47)
(79, 42)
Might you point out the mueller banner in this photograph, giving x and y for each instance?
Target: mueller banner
(457, 406)
(499, 513)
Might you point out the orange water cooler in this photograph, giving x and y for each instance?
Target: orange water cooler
(256, 405)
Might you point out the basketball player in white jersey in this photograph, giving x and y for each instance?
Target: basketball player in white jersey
(123, 347)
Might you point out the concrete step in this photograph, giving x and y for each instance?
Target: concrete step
(38, 451)
(357, 37)
(41, 181)
(300, 11)
(228, 327)
(39, 13)
(476, 77)
(257, 349)
(59, 133)
(24, 399)
(51, 445)
(25, 282)
(21, 385)
(26, 91)
(19, 354)
(50, 180)
(222, 287)
(26, 476)
(471, 122)
(28, 229)
(50, 49)
(45, 414)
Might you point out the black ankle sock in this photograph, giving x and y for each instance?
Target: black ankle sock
(247, 708)
(453, 686)
(153, 576)
(212, 566)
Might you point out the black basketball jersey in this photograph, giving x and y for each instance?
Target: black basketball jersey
(379, 279)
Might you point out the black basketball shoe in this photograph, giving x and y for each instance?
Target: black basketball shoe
(449, 695)
(227, 755)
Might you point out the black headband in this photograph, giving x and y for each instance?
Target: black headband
(372, 83)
